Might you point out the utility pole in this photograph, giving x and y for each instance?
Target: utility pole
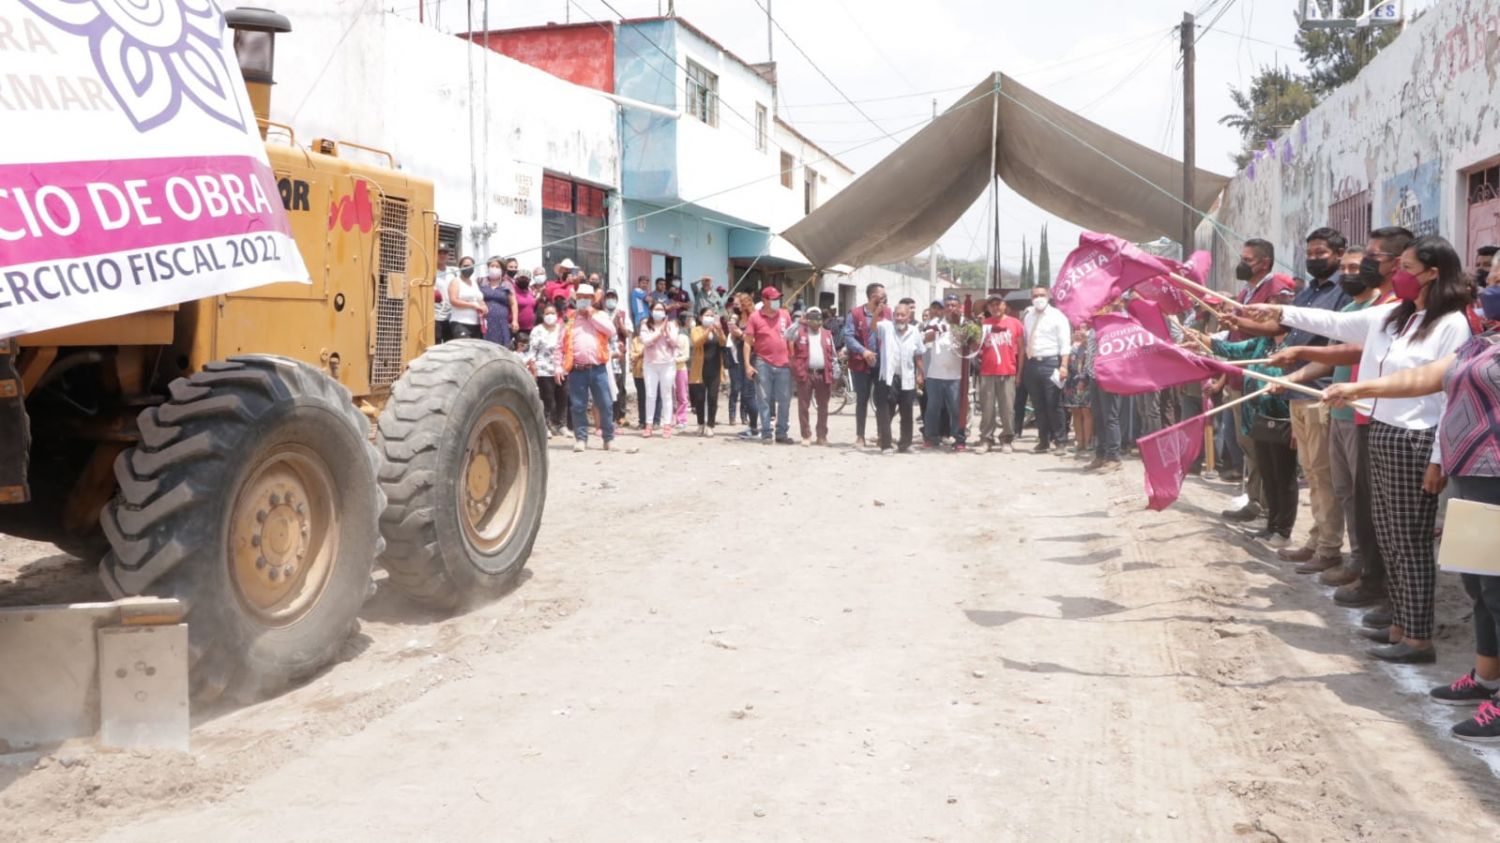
(770, 40)
(1189, 136)
(671, 8)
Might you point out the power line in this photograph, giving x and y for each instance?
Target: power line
(826, 78)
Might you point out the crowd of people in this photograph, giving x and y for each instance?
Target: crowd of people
(1397, 322)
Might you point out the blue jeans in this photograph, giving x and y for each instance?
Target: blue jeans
(1106, 424)
(583, 383)
(773, 385)
(942, 406)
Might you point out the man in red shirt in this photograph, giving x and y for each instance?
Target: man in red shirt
(770, 369)
(1002, 344)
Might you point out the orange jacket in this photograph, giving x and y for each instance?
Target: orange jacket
(602, 334)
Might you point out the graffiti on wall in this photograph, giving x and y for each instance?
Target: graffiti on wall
(1411, 199)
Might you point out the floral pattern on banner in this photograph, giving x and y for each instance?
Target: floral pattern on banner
(151, 54)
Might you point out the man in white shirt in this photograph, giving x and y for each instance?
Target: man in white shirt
(944, 372)
(441, 310)
(1049, 343)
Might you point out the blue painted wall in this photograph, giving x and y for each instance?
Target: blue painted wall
(703, 245)
(646, 73)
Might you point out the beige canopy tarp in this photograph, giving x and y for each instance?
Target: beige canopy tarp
(1056, 159)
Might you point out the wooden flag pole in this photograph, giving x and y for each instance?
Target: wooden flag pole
(1192, 285)
(1238, 401)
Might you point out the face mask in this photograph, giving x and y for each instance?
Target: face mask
(708, 321)
(1482, 277)
(549, 319)
(775, 304)
(496, 274)
(584, 304)
(1406, 286)
(677, 285)
(610, 305)
(1369, 272)
(814, 324)
(1039, 303)
(467, 271)
(658, 315)
(1352, 285)
(1489, 302)
(523, 281)
(1243, 272)
(1321, 268)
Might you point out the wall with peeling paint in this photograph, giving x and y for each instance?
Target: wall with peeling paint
(388, 82)
(1407, 130)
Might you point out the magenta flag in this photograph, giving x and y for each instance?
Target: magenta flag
(1167, 293)
(1099, 271)
(1167, 455)
(1149, 314)
(1132, 360)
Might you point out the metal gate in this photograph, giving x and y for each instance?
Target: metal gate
(1484, 211)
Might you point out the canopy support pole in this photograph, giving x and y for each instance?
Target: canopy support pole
(990, 274)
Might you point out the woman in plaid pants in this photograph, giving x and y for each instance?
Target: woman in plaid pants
(1470, 445)
(1426, 323)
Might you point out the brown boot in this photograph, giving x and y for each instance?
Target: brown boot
(1319, 564)
(1097, 464)
(1300, 554)
(1342, 575)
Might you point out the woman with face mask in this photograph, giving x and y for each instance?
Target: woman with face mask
(467, 305)
(684, 358)
(1427, 323)
(1470, 380)
(706, 370)
(545, 350)
(659, 338)
(524, 297)
(497, 289)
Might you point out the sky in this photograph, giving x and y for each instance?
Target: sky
(1115, 63)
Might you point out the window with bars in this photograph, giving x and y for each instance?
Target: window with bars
(760, 128)
(1351, 216)
(1484, 185)
(702, 93)
(574, 219)
(788, 164)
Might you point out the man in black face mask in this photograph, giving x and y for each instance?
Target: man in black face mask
(1484, 261)
(1310, 420)
(1369, 287)
(1257, 257)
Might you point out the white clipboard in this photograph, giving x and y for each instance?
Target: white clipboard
(1469, 533)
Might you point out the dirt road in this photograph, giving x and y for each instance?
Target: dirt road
(724, 641)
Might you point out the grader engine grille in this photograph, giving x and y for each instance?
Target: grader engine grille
(390, 308)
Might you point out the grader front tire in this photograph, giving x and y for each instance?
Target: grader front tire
(252, 497)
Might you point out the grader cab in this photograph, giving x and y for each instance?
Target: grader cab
(220, 451)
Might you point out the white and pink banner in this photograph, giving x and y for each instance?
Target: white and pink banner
(132, 174)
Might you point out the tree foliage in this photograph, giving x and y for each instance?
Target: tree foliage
(1276, 97)
(1044, 262)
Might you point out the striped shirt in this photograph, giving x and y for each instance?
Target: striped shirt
(1471, 423)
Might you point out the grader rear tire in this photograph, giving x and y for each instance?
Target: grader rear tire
(252, 497)
(463, 442)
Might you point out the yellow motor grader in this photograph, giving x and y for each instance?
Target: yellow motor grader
(221, 451)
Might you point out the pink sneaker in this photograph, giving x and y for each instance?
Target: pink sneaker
(666, 432)
(646, 432)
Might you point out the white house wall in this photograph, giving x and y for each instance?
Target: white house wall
(397, 85)
(1407, 129)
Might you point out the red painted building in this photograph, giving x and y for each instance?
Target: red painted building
(581, 53)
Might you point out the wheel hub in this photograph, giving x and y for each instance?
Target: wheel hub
(495, 469)
(282, 535)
